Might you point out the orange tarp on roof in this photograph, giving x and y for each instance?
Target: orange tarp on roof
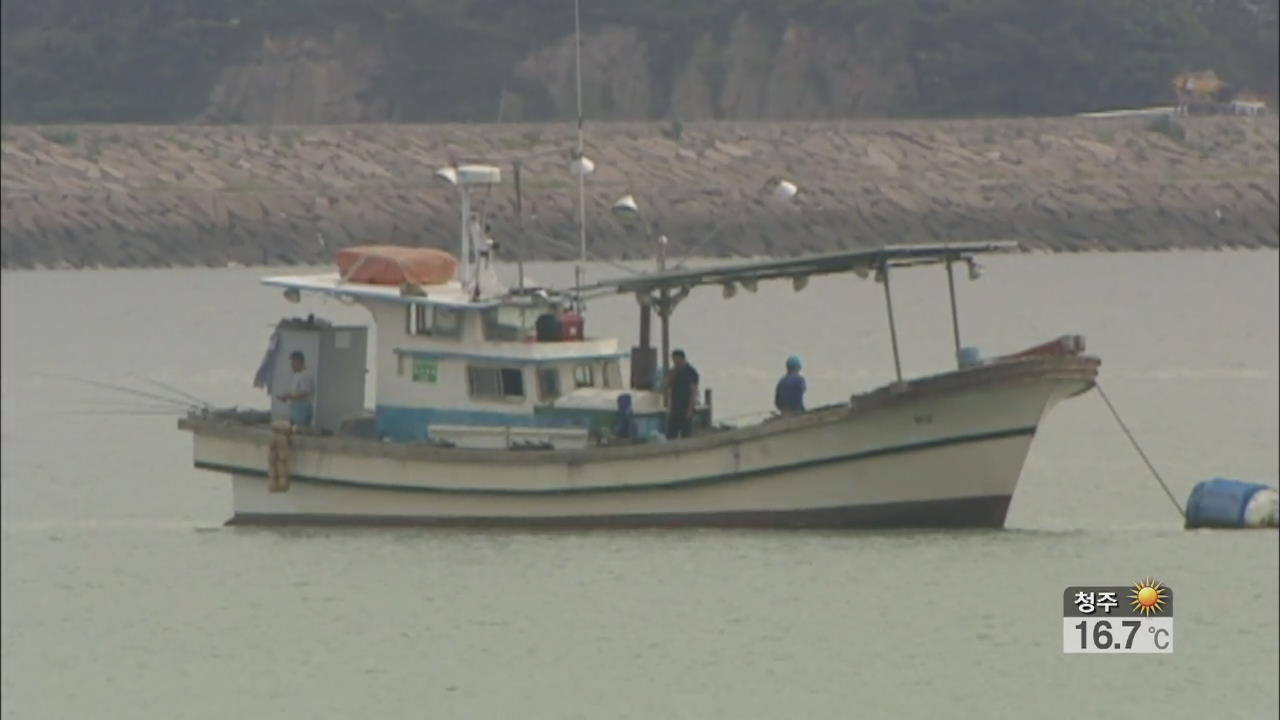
(395, 265)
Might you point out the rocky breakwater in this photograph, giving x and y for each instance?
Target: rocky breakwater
(112, 196)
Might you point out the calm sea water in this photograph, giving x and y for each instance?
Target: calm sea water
(124, 597)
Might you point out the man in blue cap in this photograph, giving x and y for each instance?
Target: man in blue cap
(789, 397)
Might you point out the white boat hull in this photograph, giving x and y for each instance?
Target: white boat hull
(912, 488)
(940, 452)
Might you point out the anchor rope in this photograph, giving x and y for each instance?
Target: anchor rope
(279, 457)
(1141, 454)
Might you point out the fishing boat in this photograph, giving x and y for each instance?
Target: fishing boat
(494, 407)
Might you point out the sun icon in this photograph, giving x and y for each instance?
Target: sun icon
(1148, 597)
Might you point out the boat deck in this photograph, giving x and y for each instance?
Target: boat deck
(1069, 367)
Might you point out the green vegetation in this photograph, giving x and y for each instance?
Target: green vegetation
(156, 60)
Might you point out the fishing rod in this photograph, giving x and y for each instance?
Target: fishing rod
(170, 388)
(113, 413)
(119, 388)
(138, 405)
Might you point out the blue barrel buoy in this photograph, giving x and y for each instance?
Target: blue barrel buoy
(1226, 503)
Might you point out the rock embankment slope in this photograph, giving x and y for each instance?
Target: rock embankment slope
(85, 196)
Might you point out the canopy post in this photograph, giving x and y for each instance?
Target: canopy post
(893, 332)
(645, 313)
(665, 314)
(955, 318)
(664, 310)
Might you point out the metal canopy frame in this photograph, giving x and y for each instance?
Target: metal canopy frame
(859, 261)
(663, 291)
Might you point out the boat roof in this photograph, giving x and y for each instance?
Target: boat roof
(450, 294)
(861, 261)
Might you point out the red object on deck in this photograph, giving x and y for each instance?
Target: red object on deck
(395, 265)
(570, 326)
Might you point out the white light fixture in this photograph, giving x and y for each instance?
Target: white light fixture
(785, 190)
(799, 282)
(975, 270)
(292, 295)
(448, 174)
(470, 175)
(582, 166)
(625, 209)
(478, 175)
(749, 285)
(780, 189)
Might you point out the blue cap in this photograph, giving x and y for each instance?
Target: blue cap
(794, 362)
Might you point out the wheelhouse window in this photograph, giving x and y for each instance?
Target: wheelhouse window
(419, 320)
(584, 376)
(447, 321)
(492, 383)
(433, 320)
(612, 374)
(548, 383)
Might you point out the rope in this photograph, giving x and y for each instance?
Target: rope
(1141, 454)
(694, 247)
(279, 457)
(592, 256)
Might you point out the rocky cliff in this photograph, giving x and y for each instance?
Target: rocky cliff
(755, 71)
(429, 61)
(149, 196)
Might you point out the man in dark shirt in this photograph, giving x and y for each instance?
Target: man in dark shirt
(682, 396)
(789, 396)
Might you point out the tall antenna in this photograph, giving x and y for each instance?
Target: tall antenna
(581, 164)
(520, 247)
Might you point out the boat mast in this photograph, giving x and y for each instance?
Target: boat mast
(581, 162)
(515, 169)
(462, 177)
(464, 257)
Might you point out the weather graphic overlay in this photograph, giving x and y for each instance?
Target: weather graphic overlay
(1148, 597)
(1101, 620)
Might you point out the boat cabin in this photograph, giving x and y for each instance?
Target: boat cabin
(456, 369)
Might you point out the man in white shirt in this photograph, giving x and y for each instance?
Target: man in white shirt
(304, 387)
